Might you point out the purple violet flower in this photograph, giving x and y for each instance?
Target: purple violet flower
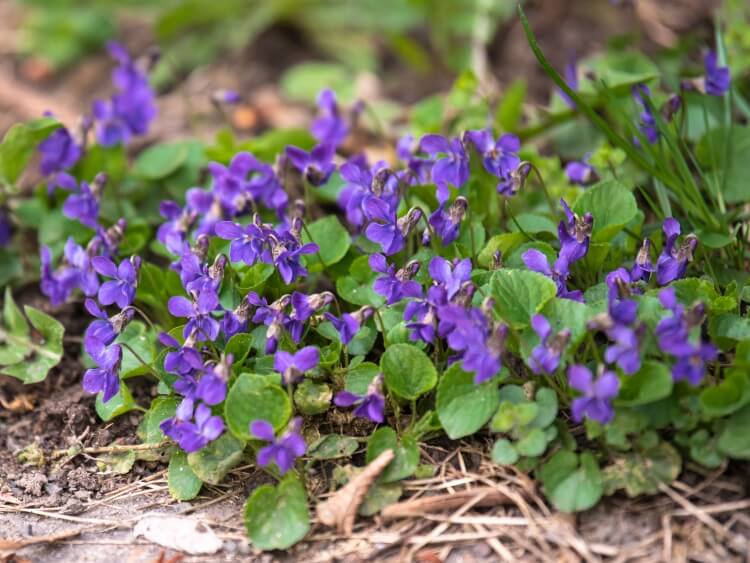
(647, 124)
(57, 285)
(425, 313)
(105, 377)
(190, 436)
(305, 306)
(292, 367)
(287, 252)
(385, 228)
(451, 275)
(537, 261)
(419, 169)
(349, 324)
(103, 331)
(371, 405)
(718, 79)
(184, 359)
(120, 289)
(498, 156)
(317, 165)
(230, 182)
(643, 267)
(59, 152)
(6, 229)
(131, 110)
(249, 242)
(673, 260)
(452, 168)
(545, 358)
(395, 285)
(596, 402)
(198, 312)
(283, 450)
(173, 232)
(225, 96)
(692, 367)
(447, 223)
(329, 128)
(582, 172)
(574, 234)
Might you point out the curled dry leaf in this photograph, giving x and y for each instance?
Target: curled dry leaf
(341, 509)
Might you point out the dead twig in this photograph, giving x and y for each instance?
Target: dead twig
(18, 543)
(438, 503)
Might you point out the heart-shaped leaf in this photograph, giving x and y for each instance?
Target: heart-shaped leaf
(463, 406)
(408, 371)
(255, 397)
(277, 517)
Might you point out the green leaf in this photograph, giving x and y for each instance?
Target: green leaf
(519, 294)
(378, 496)
(303, 82)
(119, 463)
(159, 161)
(612, 205)
(212, 463)
(333, 446)
(728, 396)
(20, 143)
(255, 397)
(730, 173)
(332, 238)
(183, 483)
(463, 406)
(41, 344)
(566, 313)
(141, 340)
(312, 398)
(510, 109)
(10, 266)
(408, 371)
(277, 517)
(120, 403)
(359, 377)
(532, 443)
(734, 439)
(15, 322)
(504, 453)
(406, 453)
(546, 401)
(572, 483)
(239, 346)
(727, 329)
(651, 383)
(642, 471)
(356, 288)
(161, 409)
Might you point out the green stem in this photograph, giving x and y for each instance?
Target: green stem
(140, 359)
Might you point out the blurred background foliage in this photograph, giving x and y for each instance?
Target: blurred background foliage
(195, 32)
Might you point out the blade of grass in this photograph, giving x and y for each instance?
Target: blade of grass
(584, 108)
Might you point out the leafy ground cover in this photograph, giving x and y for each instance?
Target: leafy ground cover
(283, 303)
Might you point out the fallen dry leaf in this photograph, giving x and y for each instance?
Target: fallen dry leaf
(341, 509)
(182, 534)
